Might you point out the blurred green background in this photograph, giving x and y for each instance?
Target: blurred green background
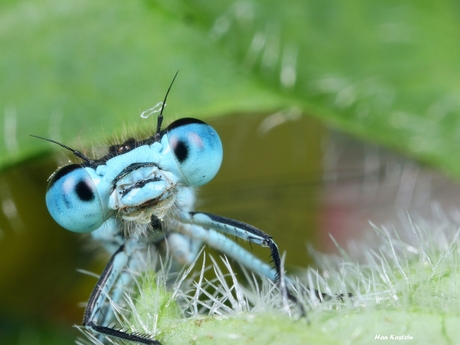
(272, 77)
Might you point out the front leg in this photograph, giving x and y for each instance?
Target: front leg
(206, 227)
(97, 311)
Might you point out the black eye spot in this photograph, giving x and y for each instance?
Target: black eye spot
(181, 151)
(83, 191)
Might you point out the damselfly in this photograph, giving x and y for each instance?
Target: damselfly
(141, 191)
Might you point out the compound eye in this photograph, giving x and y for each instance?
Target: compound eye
(197, 149)
(73, 200)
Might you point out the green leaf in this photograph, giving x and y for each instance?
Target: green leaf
(405, 290)
(386, 71)
(155, 302)
(83, 69)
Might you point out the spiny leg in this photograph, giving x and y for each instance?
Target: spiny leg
(95, 308)
(207, 221)
(204, 227)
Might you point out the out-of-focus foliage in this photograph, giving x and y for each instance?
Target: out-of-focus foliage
(385, 70)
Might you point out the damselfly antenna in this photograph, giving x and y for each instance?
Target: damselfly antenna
(75, 152)
(160, 117)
